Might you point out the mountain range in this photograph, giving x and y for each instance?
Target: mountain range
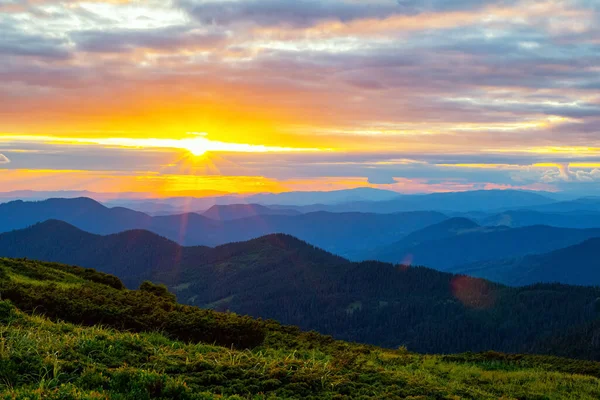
(418, 238)
(521, 218)
(200, 204)
(575, 265)
(459, 241)
(580, 204)
(350, 200)
(477, 200)
(281, 277)
(336, 232)
(240, 211)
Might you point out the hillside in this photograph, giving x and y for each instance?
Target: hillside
(126, 357)
(582, 204)
(449, 227)
(574, 265)
(336, 232)
(283, 278)
(482, 244)
(445, 229)
(88, 214)
(520, 218)
(138, 255)
(239, 211)
(130, 254)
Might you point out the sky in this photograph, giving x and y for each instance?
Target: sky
(162, 97)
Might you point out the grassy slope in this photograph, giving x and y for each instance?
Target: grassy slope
(45, 358)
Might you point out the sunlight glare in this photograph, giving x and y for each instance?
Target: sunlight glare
(198, 145)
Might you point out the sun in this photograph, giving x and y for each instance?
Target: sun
(197, 149)
(198, 145)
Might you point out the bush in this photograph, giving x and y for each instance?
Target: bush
(141, 310)
(158, 290)
(8, 312)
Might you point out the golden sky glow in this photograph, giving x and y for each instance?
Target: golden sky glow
(143, 182)
(196, 143)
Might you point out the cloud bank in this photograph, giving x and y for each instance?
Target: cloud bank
(493, 92)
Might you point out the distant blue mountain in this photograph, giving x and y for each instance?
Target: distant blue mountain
(339, 233)
(239, 211)
(582, 204)
(481, 200)
(351, 200)
(88, 214)
(450, 247)
(520, 218)
(299, 198)
(328, 198)
(574, 265)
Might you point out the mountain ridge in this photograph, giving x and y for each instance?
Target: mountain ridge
(573, 265)
(280, 277)
(483, 244)
(240, 211)
(336, 232)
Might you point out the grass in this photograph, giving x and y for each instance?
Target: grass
(43, 358)
(66, 284)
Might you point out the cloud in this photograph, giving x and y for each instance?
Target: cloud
(438, 82)
(381, 180)
(17, 42)
(4, 159)
(565, 173)
(304, 13)
(285, 12)
(164, 39)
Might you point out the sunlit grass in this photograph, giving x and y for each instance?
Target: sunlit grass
(62, 359)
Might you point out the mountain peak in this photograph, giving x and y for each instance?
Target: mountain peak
(280, 245)
(52, 233)
(78, 201)
(282, 240)
(57, 201)
(54, 226)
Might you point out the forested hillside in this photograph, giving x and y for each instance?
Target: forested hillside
(70, 333)
(456, 247)
(580, 219)
(574, 265)
(239, 211)
(283, 278)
